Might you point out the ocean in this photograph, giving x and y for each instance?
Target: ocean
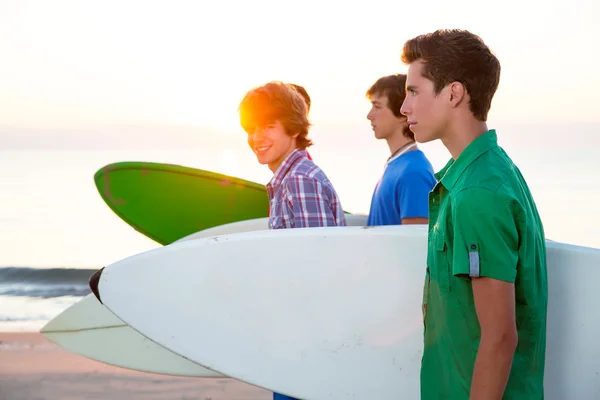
(30, 297)
(55, 230)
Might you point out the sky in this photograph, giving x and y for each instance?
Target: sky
(77, 68)
(145, 79)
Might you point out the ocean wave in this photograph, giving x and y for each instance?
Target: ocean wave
(44, 282)
(44, 291)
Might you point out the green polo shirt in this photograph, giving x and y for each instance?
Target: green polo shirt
(483, 223)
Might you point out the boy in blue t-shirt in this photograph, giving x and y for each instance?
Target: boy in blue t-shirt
(401, 195)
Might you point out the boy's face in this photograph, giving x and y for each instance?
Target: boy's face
(383, 120)
(271, 144)
(427, 113)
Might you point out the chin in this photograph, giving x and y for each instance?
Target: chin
(379, 135)
(263, 160)
(424, 137)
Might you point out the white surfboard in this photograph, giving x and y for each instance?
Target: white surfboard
(309, 326)
(89, 329)
(329, 313)
(259, 224)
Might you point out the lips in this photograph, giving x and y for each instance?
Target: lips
(261, 149)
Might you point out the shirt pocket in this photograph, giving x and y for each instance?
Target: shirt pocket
(439, 261)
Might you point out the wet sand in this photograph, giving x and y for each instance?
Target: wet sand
(33, 368)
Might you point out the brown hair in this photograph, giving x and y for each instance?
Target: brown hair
(394, 88)
(457, 56)
(276, 101)
(304, 94)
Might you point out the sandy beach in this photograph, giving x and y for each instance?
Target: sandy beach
(33, 368)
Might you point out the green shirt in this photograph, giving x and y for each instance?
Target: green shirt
(483, 222)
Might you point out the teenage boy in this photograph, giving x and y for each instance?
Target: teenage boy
(486, 293)
(401, 195)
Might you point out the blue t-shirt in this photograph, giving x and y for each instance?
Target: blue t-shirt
(403, 190)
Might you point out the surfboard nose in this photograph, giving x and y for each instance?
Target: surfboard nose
(94, 280)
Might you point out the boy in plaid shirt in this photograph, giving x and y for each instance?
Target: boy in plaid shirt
(275, 118)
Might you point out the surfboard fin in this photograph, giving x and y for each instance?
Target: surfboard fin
(94, 280)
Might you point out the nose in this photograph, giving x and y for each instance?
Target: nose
(370, 115)
(253, 137)
(256, 137)
(258, 133)
(94, 280)
(405, 107)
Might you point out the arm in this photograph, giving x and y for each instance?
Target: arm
(485, 249)
(416, 221)
(413, 197)
(495, 306)
(308, 203)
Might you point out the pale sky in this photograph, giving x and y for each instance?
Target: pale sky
(81, 66)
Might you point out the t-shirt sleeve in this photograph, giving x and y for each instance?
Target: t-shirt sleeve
(413, 194)
(486, 237)
(308, 202)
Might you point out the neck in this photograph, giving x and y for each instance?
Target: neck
(397, 142)
(461, 135)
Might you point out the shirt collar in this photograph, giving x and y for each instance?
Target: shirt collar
(288, 162)
(450, 174)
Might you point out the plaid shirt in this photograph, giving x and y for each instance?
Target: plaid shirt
(301, 196)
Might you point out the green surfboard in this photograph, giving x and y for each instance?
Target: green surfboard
(167, 202)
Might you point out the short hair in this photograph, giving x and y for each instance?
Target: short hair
(303, 93)
(276, 101)
(394, 88)
(454, 55)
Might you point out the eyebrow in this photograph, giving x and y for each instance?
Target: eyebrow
(411, 87)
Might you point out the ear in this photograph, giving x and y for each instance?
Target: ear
(458, 93)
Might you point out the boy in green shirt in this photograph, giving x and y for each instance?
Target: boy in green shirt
(485, 295)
